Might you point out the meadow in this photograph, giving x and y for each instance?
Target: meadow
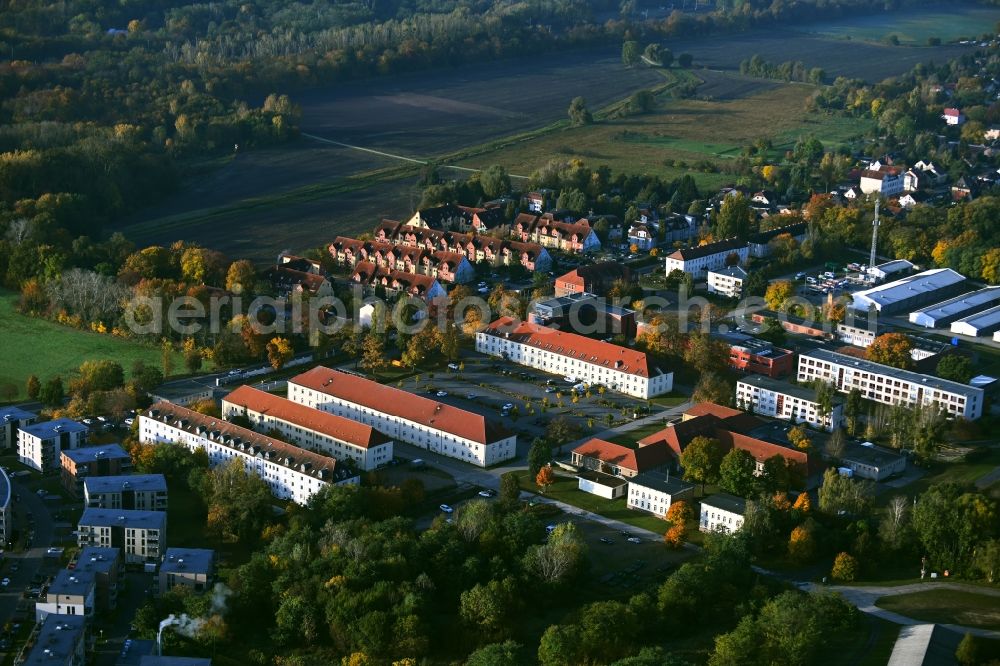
(45, 349)
(944, 23)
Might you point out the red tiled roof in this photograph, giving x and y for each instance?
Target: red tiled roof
(613, 357)
(762, 450)
(637, 460)
(316, 420)
(678, 436)
(402, 404)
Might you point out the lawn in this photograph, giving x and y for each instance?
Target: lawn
(631, 437)
(947, 607)
(915, 28)
(43, 348)
(687, 131)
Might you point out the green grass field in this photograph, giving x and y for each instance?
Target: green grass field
(915, 28)
(947, 607)
(688, 130)
(43, 348)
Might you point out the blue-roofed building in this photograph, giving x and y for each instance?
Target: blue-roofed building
(192, 567)
(12, 418)
(144, 492)
(39, 444)
(59, 642)
(103, 460)
(6, 508)
(106, 566)
(141, 535)
(70, 593)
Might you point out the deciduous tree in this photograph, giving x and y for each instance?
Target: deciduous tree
(891, 349)
(778, 293)
(545, 478)
(279, 352)
(845, 568)
(736, 473)
(701, 460)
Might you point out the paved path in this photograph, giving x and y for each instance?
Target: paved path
(864, 598)
(988, 479)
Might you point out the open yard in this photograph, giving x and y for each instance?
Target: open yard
(947, 607)
(43, 348)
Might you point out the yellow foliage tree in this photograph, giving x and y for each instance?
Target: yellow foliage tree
(801, 544)
(778, 293)
(799, 438)
(780, 501)
(279, 352)
(802, 503)
(845, 567)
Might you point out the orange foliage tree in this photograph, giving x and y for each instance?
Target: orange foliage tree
(802, 503)
(801, 544)
(676, 535)
(545, 478)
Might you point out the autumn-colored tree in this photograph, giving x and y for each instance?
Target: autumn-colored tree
(892, 349)
(167, 357)
(845, 567)
(780, 501)
(241, 275)
(545, 478)
(680, 512)
(34, 387)
(279, 352)
(778, 293)
(801, 544)
(991, 265)
(373, 352)
(192, 357)
(676, 536)
(799, 438)
(802, 503)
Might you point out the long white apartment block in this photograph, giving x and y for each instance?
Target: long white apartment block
(782, 400)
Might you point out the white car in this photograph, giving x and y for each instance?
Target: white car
(102, 419)
(550, 389)
(5, 582)
(89, 422)
(446, 508)
(129, 421)
(441, 394)
(509, 406)
(486, 493)
(453, 366)
(634, 540)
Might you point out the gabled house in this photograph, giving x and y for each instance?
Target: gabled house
(549, 230)
(642, 235)
(593, 279)
(616, 460)
(886, 182)
(697, 261)
(953, 116)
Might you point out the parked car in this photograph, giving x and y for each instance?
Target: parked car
(453, 366)
(800, 275)
(550, 389)
(88, 422)
(441, 394)
(487, 493)
(129, 421)
(509, 406)
(471, 396)
(606, 540)
(446, 508)
(5, 582)
(634, 540)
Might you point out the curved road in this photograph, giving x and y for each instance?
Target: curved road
(25, 502)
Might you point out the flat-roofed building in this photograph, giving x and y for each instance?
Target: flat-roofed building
(105, 564)
(60, 641)
(91, 461)
(727, 281)
(69, 593)
(141, 535)
(888, 269)
(654, 492)
(583, 359)
(983, 323)
(754, 356)
(289, 471)
(722, 513)
(889, 385)
(39, 444)
(910, 292)
(190, 567)
(12, 418)
(953, 309)
(310, 428)
(429, 424)
(783, 400)
(868, 461)
(145, 492)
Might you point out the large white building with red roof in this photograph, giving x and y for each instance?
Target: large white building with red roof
(581, 358)
(310, 428)
(406, 417)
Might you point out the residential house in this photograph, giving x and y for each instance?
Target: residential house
(964, 189)
(60, 641)
(678, 228)
(105, 565)
(145, 492)
(570, 355)
(424, 422)
(69, 593)
(289, 471)
(727, 281)
(886, 182)
(654, 492)
(583, 313)
(39, 444)
(313, 429)
(610, 459)
(791, 402)
(953, 116)
(552, 232)
(446, 217)
(12, 418)
(190, 567)
(722, 513)
(300, 264)
(141, 535)
(594, 278)
(397, 283)
(760, 243)
(104, 460)
(540, 201)
(875, 463)
(697, 261)
(642, 235)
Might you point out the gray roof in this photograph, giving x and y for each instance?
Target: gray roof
(873, 456)
(731, 271)
(73, 583)
(877, 368)
(115, 484)
(188, 560)
(97, 559)
(89, 454)
(983, 320)
(10, 413)
(726, 502)
(959, 304)
(57, 640)
(49, 429)
(909, 287)
(768, 384)
(662, 483)
(134, 651)
(143, 520)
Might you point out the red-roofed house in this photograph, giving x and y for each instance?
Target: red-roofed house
(953, 116)
(592, 279)
(568, 354)
(310, 428)
(407, 417)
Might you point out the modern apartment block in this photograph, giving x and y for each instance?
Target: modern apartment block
(12, 418)
(310, 428)
(190, 567)
(574, 356)
(289, 471)
(889, 385)
(140, 535)
(406, 417)
(39, 444)
(144, 492)
(92, 461)
(69, 593)
(105, 564)
(768, 397)
(60, 641)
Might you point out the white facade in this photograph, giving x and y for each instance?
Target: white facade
(884, 184)
(781, 400)
(945, 312)
(721, 515)
(386, 418)
(607, 491)
(868, 461)
(655, 498)
(890, 386)
(982, 323)
(698, 264)
(727, 282)
(297, 480)
(71, 593)
(143, 492)
(565, 354)
(859, 336)
(39, 445)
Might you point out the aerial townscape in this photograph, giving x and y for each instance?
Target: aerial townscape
(485, 333)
